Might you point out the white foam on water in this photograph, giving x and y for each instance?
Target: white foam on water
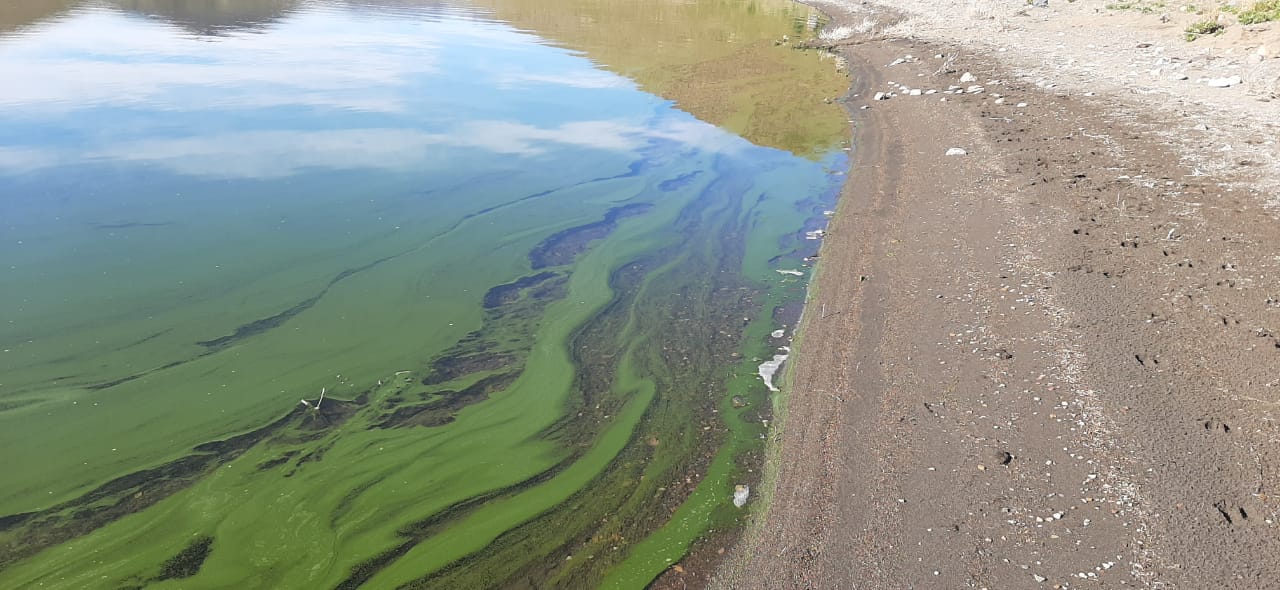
(769, 368)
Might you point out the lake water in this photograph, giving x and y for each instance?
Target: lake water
(322, 294)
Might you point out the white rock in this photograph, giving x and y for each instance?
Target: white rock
(999, 101)
(915, 92)
(880, 96)
(1223, 82)
(1022, 104)
(740, 494)
(1038, 577)
(956, 152)
(966, 77)
(1178, 77)
(930, 91)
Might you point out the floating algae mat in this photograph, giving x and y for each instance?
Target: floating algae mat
(394, 294)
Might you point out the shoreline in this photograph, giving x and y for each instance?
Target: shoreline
(1031, 381)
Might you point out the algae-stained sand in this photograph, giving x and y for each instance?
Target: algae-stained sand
(402, 295)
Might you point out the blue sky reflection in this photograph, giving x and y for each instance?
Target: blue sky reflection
(332, 89)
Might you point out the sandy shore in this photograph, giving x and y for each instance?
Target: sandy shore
(1053, 361)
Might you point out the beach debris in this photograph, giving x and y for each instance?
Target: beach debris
(738, 402)
(966, 77)
(955, 151)
(1004, 457)
(791, 272)
(881, 96)
(780, 332)
(769, 368)
(1223, 82)
(915, 92)
(740, 493)
(1039, 578)
(815, 234)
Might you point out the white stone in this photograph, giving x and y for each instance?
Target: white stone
(915, 92)
(966, 77)
(880, 96)
(1223, 82)
(740, 494)
(956, 152)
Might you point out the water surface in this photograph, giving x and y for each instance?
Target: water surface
(529, 265)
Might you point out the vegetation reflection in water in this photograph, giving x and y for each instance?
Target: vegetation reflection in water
(533, 294)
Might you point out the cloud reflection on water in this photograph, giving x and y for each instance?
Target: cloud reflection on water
(84, 63)
(360, 92)
(274, 154)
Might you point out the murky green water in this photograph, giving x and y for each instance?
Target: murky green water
(532, 289)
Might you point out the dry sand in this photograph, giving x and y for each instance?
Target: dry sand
(1054, 361)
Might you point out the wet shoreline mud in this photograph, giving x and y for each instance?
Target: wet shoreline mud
(1046, 361)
